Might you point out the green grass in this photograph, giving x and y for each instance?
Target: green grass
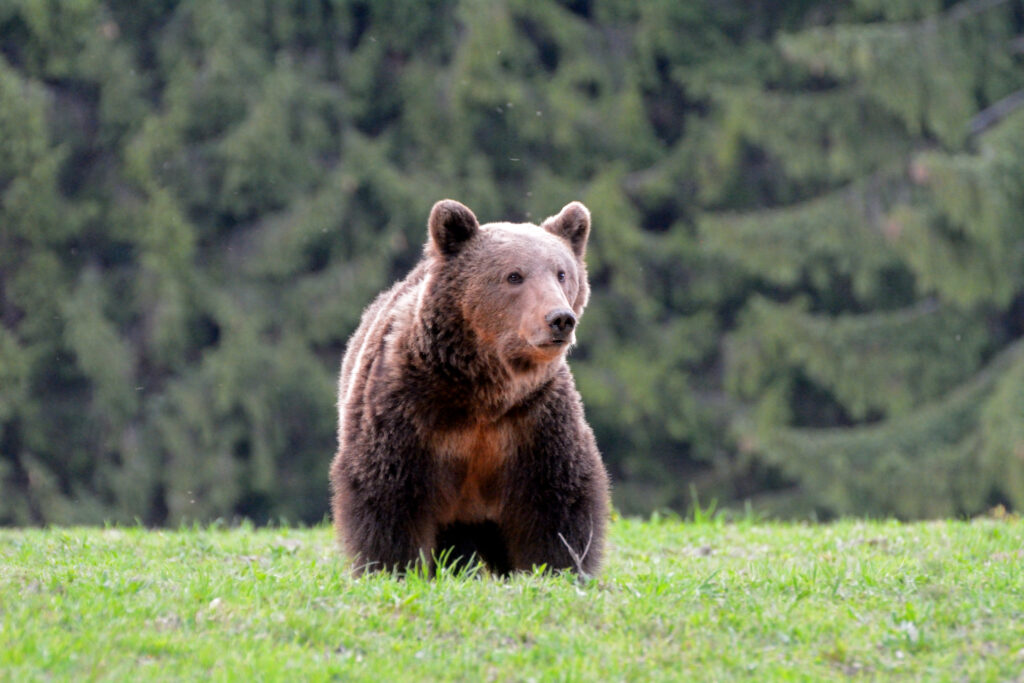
(707, 600)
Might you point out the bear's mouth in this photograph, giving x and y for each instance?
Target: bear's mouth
(545, 351)
(546, 347)
(554, 344)
(551, 349)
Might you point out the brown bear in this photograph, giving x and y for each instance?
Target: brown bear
(460, 430)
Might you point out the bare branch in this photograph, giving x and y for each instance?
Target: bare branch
(966, 9)
(957, 13)
(990, 116)
(578, 558)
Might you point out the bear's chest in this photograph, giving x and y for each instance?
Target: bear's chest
(472, 459)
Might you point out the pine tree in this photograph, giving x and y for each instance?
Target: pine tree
(805, 262)
(883, 240)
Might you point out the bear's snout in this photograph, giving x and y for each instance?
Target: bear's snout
(561, 322)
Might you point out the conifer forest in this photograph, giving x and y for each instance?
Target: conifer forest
(807, 257)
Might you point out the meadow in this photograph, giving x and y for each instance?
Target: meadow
(703, 599)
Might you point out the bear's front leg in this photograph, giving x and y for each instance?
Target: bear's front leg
(557, 508)
(381, 506)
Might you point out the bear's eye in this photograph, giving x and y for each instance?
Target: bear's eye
(515, 278)
(561, 276)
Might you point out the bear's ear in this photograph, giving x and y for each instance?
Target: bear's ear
(451, 225)
(571, 224)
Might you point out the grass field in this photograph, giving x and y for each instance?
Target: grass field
(704, 600)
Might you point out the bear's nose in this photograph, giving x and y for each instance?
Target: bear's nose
(561, 321)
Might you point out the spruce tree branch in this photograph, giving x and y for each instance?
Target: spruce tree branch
(959, 12)
(990, 116)
(967, 9)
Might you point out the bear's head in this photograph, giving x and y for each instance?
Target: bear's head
(521, 288)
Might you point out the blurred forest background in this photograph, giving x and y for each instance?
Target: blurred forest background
(807, 257)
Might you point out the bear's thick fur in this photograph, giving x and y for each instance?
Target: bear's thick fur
(460, 429)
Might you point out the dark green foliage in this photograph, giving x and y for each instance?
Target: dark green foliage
(881, 354)
(801, 221)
